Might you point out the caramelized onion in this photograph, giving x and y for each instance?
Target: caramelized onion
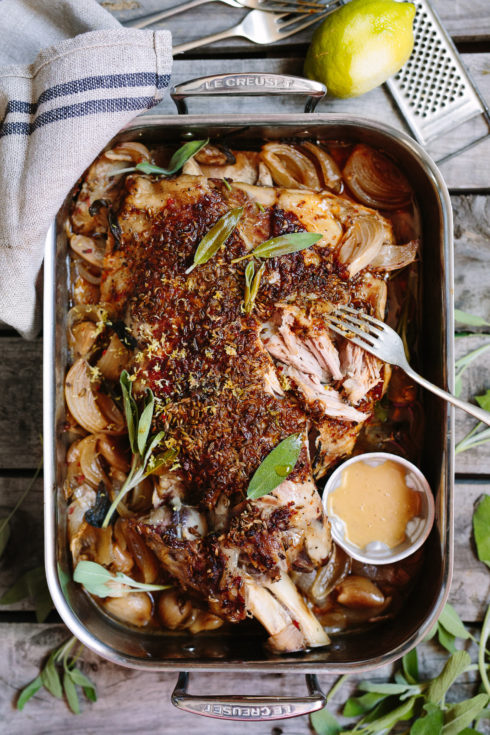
(90, 466)
(361, 243)
(81, 400)
(375, 180)
(213, 155)
(87, 275)
(395, 256)
(331, 174)
(144, 558)
(289, 167)
(81, 338)
(114, 359)
(130, 151)
(117, 424)
(330, 575)
(88, 249)
(113, 451)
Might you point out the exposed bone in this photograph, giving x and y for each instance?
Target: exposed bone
(286, 592)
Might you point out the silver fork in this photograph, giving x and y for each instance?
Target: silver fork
(274, 6)
(258, 27)
(383, 342)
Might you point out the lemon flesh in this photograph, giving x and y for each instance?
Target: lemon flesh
(360, 45)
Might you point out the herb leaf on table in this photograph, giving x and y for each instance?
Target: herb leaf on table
(481, 529)
(61, 676)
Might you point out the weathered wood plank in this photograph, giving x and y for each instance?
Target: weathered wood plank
(463, 19)
(465, 172)
(21, 403)
(130, 700)
(469, 592)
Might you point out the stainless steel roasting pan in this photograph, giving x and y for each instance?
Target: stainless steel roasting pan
(242, 648)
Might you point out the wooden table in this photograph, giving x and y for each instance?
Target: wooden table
(131, 700)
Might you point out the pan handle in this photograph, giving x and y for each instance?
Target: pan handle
(246, 708)
(251, 84)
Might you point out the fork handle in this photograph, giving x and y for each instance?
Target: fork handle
(476, 411)
(233, 31)
(148, 20)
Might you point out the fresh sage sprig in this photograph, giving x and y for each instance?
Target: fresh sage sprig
(476, 436)
(481, 529)
(282, 245)
(216, 237)
(469, 320)
(141, 443)
(252, 285)
(463, 363)
(61, 663)
(419, 704)
(276, 467)
(178, 159)
(100, 582)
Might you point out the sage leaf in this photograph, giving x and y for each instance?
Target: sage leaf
(450, 620)
(154, 442)
(71, 693)
(410, 666)
(482, 651)
(324, 723)
(470, 320)
(249, 276)
(4, 534)
(100, 582)
(431, 724)
(249, 304)
(386, 722)
(463, 363)
(453, 668)
(356, 706)
(90, 693)
(178, 159)
(162, 460)
(31, 585)
(484, 400)
(51, 678)
(130, 408)
(447, 640)
(29, 691)
(216, 237)
(481, 529)
(282, 245)
(276, 467)
(94, 578)
(144, 424)
(386, 689)
(430, 635)
(462, 714)
(78, 677)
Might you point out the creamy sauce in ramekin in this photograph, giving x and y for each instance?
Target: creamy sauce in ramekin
(375, 503)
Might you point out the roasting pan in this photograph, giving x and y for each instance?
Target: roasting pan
(243, 648)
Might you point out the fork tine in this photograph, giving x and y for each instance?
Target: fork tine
(348, 328)
(293, 6)
(362, 315)
(355, 340)
(368, 327)
(300, 25)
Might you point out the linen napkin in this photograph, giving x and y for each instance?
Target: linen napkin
(70, 78)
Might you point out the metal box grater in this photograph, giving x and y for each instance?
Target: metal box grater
(433, 90)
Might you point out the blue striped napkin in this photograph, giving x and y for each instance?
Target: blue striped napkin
(70, 78)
